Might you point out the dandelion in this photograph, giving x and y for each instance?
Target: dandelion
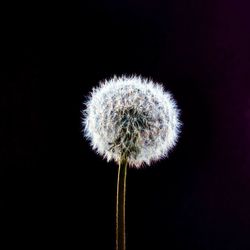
(134, 122)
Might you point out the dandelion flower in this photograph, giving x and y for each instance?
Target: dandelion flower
(131, 116)
(134, 122)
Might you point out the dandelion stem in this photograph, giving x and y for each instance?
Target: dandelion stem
(120, 205)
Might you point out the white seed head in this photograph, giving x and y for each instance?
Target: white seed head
(132, 117)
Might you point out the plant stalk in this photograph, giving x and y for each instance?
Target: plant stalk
(121, 204)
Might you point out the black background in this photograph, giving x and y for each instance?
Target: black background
(59, 194)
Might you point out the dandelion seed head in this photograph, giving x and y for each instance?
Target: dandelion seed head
(131, 116)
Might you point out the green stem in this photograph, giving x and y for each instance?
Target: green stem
(120, 205)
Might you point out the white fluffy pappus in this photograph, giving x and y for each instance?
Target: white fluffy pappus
(133, 117)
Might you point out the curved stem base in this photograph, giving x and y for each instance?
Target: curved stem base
(120, 205)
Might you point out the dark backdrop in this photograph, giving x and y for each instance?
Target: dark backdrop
(56, 192)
